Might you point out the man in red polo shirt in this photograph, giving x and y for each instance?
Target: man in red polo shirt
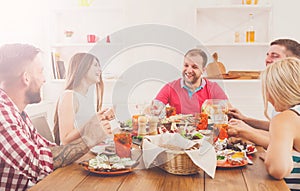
(188, 93)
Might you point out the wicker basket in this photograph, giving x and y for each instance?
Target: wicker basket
(176, 162)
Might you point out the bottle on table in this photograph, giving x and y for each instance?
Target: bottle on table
(153, 121)
(142, 122)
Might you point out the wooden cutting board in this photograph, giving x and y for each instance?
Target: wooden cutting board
(246, 74)
(240, 75)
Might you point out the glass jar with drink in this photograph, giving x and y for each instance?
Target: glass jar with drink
(123, 144)
(217, 110)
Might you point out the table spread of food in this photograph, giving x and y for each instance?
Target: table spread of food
(110, 159)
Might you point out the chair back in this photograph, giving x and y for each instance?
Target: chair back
(42, 126)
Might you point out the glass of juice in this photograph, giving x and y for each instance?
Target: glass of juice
(123, 143)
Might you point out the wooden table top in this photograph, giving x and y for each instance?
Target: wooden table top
(250, 177)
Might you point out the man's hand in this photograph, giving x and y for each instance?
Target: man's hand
(157, 108)
(235, 113)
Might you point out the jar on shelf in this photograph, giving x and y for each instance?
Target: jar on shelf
(237, 37)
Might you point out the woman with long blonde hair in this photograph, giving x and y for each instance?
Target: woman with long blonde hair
(77, 103)
(281, 88)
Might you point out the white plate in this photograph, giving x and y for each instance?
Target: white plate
(98, 149)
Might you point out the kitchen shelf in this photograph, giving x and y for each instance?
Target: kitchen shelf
(86, 45)
(62, 81)
(236, 7)
(86, 10)
(216, 28)
(61, 45)
(255, 44)
(99, 20)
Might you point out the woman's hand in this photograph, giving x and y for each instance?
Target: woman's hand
(106, 114)
(106, 126)
(94, 131)
(236, 127)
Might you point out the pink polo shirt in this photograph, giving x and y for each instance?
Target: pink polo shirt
(175, 94)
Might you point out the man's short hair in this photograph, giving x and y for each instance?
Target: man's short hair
(292, 47)
(14, 56)
(197, 52)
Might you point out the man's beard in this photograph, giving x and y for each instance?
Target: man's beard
(33, 96)
(191, 82)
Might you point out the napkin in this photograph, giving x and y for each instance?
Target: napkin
(204, 157)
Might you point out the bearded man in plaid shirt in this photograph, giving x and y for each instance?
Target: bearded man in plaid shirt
(25, 156)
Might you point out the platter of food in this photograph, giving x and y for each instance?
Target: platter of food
(109, 165)
(231, 159)
(112, 172)
(236, 145)
(233, 153)
(229, 165)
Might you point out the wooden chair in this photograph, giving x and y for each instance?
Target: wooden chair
(41, 124)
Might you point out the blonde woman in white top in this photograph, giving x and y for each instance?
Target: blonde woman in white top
(281, 88)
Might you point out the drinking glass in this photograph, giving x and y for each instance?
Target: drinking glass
(123, 143)
(217, 110)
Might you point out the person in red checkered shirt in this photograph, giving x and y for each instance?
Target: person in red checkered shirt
(25, 156)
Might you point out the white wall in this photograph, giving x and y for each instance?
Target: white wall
(285, 22)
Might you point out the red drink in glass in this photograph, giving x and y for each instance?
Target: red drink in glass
(123, 143)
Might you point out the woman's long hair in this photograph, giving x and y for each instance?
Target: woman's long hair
(281, 84)
(79, 65)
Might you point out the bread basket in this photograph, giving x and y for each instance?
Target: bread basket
(176, 162)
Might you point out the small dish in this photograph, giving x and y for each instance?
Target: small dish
(98, 149)
(251, 149)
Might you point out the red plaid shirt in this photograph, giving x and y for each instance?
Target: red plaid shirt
(24, 155)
